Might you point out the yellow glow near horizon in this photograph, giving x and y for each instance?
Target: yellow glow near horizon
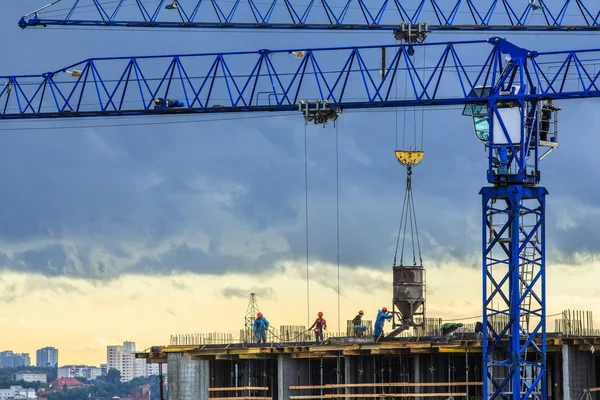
(81, 318)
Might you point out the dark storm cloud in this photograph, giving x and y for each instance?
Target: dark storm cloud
(215, 198)
(229, 196)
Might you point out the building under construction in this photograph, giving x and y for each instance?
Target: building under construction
(435, 365)
(421, 357)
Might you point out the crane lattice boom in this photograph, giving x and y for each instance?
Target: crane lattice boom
(280, 80)
(448, 15)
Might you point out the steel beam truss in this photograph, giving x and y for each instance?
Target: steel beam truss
(323, 14)
(265, 80)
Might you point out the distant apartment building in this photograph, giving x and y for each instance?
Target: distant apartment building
(122, 358)
(46, 357)
(103, 369)
(8, 359)
(154, 369)
(17, 392)
(79, 371)
(129, 347)
(30, 377)
(139, 368)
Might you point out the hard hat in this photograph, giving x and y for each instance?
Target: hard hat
(259, 315)
(384, 309)
(320, 314)
(361, 312)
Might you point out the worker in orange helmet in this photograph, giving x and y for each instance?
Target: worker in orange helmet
(359, 328)
(320, 324)
(382, 316)
(260, 328)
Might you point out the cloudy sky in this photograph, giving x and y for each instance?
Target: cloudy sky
(136, 229)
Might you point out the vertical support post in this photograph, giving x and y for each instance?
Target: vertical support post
(566, 373)
(350, 372)
(321, 374)
(338, 374)
(417, 371)
(160, 381)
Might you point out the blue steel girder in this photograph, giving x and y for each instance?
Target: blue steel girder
(514, 356)
(278, 80)
(499, 15)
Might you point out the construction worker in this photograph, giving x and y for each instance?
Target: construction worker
(359, 328)
(260, 328)
(547, 110)
(382, 316)
(320, 324)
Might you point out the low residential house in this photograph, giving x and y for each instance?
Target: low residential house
(66, 384)
(141, 393)
(17, 392)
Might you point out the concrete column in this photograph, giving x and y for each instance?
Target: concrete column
(417, 372)
(287, 375)
(579, 372)
(188, 379)
(349, 374)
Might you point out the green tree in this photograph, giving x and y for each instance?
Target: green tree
(113, 376)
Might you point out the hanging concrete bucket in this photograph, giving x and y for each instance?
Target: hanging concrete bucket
(409, 294)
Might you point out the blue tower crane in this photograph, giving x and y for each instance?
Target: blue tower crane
(505, 95)
(409, 19)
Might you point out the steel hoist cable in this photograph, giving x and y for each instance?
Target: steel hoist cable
(337, 222)
(408, 224)
(306, 223)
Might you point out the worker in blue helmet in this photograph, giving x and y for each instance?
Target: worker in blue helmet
(382, 316)
(260, 328)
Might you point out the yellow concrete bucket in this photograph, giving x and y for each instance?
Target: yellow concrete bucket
(409, 158)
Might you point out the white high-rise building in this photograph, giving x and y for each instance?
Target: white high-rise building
(140, 368)
(129, 347)
(122, 358)
(128, 370)
(114, 355)
(153, 369)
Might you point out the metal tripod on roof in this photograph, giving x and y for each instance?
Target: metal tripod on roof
(251, 312)
(409, 280)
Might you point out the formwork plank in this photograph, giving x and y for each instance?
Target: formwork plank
(242, 398)
(346, 396)
(237, 389)
(390, 384)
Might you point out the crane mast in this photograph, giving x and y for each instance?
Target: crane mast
(506, 96)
